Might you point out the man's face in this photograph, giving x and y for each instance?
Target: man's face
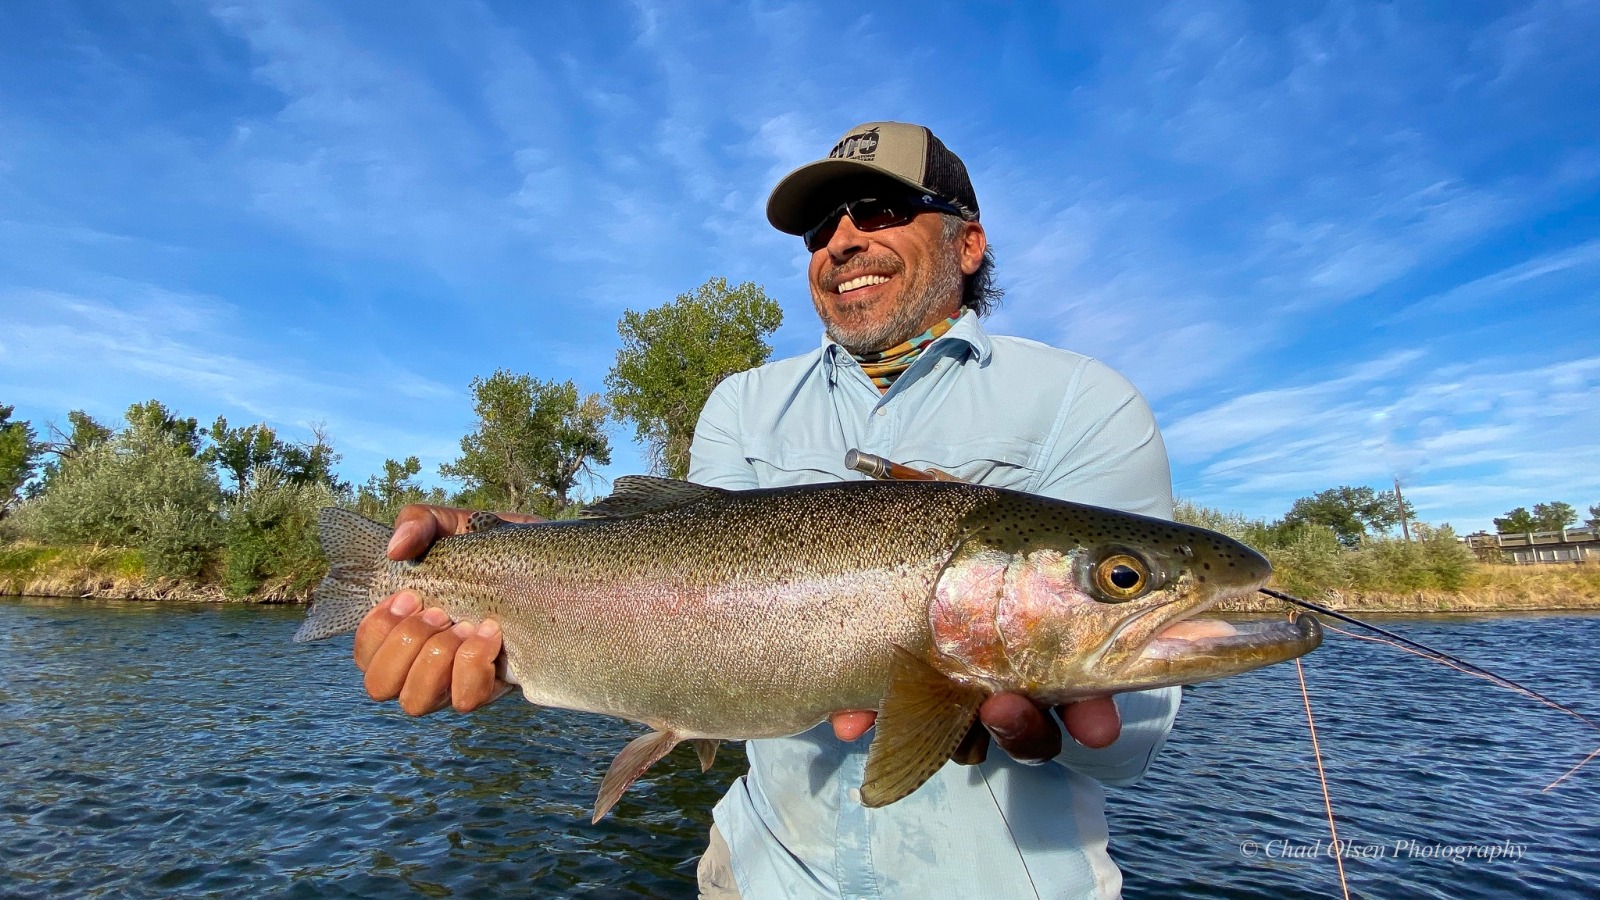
(875, 289)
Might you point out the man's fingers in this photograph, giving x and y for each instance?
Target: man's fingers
(1094, 723)
(1020, 728)
(388, 668)
(427, 687)
(417, 527)
(852, 723)
(376, 625)
(473, 682)
(420, 524)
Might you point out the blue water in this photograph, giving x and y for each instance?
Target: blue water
(172, 750)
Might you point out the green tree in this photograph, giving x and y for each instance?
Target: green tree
(578, 443)
(82, 435)
(1594, 517)
(145, 487)
(533, 440)
(18, 452)
(1517, 521)
(240, 451)
(383, 495)
(1552, 516)
(1350, 511)
(151, 424)
(312, 462)
(672, 356)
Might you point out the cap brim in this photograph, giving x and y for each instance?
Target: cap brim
(802, 197)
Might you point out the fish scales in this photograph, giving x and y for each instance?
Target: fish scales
(689, 619)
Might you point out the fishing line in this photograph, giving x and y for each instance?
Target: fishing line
(1439, 656)
(1327, 801)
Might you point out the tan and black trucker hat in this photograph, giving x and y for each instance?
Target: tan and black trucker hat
(909, 154)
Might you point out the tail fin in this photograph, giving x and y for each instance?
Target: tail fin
(355, 548)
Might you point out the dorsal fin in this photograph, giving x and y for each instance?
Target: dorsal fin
(635, 494)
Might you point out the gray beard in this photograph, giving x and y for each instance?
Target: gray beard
(905, 323)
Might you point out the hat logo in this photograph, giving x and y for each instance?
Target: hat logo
(856, 146)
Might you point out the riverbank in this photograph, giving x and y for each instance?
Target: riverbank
(119, 574)
(1491, 589)
(113, 573)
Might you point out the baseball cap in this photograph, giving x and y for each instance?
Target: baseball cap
(900, 152)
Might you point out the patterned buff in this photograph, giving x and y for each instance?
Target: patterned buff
(884, 366)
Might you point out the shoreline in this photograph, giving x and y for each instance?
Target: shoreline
(1494, 599)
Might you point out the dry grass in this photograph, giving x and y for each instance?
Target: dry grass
(1490, 588)
(113, 573)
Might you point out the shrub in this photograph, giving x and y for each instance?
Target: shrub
(152, 496)
(272, 534)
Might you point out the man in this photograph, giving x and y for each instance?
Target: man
(900, 273)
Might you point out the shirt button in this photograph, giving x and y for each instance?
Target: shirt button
(855, 795)
(879, 412)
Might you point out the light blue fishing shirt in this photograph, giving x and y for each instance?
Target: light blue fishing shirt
(994, 410)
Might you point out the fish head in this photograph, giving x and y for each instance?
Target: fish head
(1061, 601)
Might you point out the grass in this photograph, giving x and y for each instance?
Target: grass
(1486, 588)
(27, 567)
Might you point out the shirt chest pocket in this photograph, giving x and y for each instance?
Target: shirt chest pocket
(780, 465)
(999, 463)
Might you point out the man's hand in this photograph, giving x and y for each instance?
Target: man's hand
(1021, 727)
(417, 654)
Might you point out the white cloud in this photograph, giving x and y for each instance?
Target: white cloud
(1487, 425)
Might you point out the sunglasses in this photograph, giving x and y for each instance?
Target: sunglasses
(873, 214)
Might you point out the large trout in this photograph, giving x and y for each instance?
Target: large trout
(710, 614)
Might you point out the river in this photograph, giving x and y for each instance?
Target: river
(154, 750)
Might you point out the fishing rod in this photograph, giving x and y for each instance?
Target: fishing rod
(887, 470)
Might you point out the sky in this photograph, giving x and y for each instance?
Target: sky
(1332, 243)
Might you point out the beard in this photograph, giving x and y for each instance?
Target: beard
(853, 325)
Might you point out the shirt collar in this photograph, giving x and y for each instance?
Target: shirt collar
(967, 330)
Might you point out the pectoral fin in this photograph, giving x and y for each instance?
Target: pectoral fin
(924, 717)
(706, 749)
(640, 754)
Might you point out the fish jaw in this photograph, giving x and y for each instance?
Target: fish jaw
(1169, 660)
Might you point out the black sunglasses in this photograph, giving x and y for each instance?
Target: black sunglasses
(874, 214)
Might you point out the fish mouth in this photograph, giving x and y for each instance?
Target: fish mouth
(1196, 650)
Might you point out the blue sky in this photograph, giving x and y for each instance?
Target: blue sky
(1332, 242)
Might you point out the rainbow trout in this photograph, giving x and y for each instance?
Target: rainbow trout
(709, 614)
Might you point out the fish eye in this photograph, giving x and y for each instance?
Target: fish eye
(1121, 577)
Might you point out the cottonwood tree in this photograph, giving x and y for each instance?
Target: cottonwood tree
(672, 356)
(1552, 516)
(1350, 511)
(19, 451)
(383, 495)
(239, 451)
(534, 440)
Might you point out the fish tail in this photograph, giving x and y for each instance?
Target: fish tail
(355, 548)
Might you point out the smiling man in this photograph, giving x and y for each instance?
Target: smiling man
(900, 274)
